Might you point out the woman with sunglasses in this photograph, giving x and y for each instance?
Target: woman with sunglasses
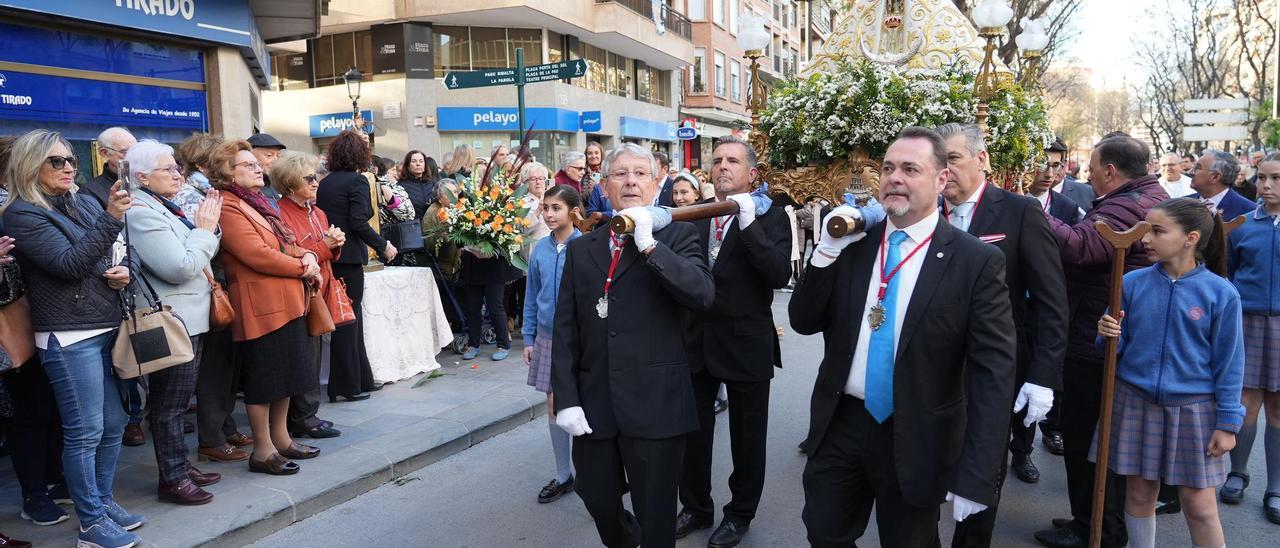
(175, 252)
(573, 166)
(69, 250)
(294, 176)
(266, 272)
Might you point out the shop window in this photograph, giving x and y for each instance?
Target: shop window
(530, 40)
(489, 48)
(344, 55)
(555, 47)
(322, 54)
(453, 49)
(291, 71)
(364, 52)
(644, 84)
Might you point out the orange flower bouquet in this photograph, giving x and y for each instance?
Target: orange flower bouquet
(487, 217)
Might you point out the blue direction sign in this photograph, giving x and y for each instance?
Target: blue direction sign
(508, 76)
(687, 133)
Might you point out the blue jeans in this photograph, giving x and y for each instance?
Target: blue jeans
(93, 418)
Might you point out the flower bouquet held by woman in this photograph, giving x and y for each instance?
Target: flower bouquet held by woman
(487, 216)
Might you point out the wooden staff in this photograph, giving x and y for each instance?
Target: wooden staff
(841, 225)
(621, 224)
(586, 224)
(1233, 224)
(1120, 241)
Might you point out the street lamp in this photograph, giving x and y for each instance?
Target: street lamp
(991, 17)
(353, 79)
(753, 37)
(1031, 42)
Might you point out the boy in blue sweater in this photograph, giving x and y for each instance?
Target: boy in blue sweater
(1180, 368)
(1253, 257)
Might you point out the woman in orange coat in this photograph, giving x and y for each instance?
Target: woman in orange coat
(266, 270)
(293, 175)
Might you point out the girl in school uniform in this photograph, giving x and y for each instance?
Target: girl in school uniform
(546, 263)
(1178, 375)
(1253, 257)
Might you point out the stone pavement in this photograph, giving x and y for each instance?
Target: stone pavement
(396, 432)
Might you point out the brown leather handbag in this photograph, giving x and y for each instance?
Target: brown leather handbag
(319, 321)
(339, 303)
(221, 313)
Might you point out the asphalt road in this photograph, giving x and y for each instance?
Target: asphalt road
(486, 495)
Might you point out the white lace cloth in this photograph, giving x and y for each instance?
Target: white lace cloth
(404, 322)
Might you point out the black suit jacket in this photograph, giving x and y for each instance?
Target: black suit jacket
(629, 372)
(664, 193)
(1081, 193)
(1064, 208)
(953, 374)
(344, 198)
(736, 339)
(1033, 272)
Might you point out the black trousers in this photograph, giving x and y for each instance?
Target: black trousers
(1082, 395)
(491, 296)
(217, 382)
(649, 469)
(1021, 438)
(168, 396)
(35, 438)
(853, 470)
(748, 436)
(1051, 422)
(303, 407)
(349, 369)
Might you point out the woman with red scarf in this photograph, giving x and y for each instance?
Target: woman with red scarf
(266, 272)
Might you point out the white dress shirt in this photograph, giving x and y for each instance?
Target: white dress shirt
(1179, 188)
(856, 384)
(961, 216)
(1216, 199)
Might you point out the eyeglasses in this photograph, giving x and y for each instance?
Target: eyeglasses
(251, 166)
(310, 179)
(120, 151)
(622, 174)
(536, 180)
(578, 168)
(173, 170)
(59, 162)
(1050, 166)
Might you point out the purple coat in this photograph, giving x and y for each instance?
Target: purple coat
(1086, 258)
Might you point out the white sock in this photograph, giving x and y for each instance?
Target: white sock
(1142, 531)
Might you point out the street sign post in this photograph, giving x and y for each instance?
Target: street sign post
(517, 76)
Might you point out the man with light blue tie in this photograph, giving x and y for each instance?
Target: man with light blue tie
(910, 408)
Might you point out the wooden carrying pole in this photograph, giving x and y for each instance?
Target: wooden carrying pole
(621, 224)
(587, 224)
(841, 225)
(1120, 241)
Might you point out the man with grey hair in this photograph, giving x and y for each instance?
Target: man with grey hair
(1174, 181)
(1212, 178)
(629, 402)
(113, 144)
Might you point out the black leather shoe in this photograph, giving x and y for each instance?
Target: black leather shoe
(357, 397)
(1062, 523)
(1231, 495)
(727, 535)
(1061, 538)
(687, 523)
(1053, 443)
(318, 432)
(1273, 512)
(1024, 469)
(552, 492)
(1168, 507)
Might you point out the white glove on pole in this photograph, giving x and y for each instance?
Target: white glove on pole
(644, 226)
(573, 421)
(962, 508)
(746, 209)
(829, 247)
(1037, 399)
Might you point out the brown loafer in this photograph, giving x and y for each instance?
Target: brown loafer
(240, 440)
(275, 465)
(226, 453)
(184, 492)
(298, 451)
(133, 435)
(202, 479)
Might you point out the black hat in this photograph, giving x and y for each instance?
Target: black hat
(265, 140)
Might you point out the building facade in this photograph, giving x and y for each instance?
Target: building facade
(405, 49)
(162, 69)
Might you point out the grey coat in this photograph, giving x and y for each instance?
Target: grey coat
(173, 259)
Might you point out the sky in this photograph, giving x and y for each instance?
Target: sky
(1104, 43)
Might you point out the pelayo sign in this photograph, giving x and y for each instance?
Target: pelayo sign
(505, 119)
(330, 125)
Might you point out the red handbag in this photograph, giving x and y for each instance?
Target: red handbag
(339, 303)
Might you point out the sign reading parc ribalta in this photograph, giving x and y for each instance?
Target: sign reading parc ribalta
(221, 21)
(507, 76)
(330, 125)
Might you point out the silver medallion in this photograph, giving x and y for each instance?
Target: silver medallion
(602, 307)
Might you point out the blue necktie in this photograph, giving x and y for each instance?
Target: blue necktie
(880, 351)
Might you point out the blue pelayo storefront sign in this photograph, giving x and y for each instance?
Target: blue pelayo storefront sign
(505, 119)
(639, 128)
(54, 100)
(592, 121)
(330, 125)
(222, 21)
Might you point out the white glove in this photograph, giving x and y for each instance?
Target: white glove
(746, 209)
(962, 508)
(573, 421)
(1037, 399)
(829, 247)
(644, 226)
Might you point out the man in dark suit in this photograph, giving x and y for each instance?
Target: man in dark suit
(620, 375)
(911, 404)
(735, 343)
(113, 144)
(665, 181)
(1213, 177)
(1037, 293)
(1080, 193)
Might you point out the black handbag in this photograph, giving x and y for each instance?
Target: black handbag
(406, 236)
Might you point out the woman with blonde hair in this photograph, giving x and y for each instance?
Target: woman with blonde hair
(462, 162)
